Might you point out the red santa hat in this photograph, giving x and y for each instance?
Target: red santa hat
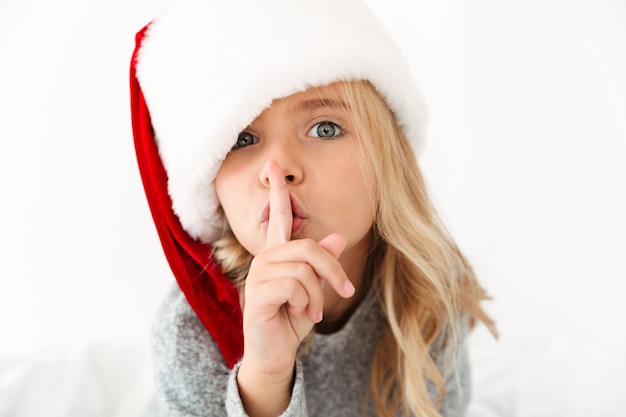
(205, 69)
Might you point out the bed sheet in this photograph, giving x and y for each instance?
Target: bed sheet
(116, 381)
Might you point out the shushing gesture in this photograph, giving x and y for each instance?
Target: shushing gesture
(283, 300)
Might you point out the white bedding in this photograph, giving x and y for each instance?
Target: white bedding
(549, 383)
(93, 381)
(116, 381)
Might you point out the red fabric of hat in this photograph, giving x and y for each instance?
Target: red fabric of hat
(211, 295)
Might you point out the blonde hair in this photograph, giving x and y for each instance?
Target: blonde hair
(425, 286)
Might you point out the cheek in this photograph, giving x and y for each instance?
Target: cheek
(226, 192)
(226, 184)
(221, 191)
(354, 197)
(230, 186)
(364, 197)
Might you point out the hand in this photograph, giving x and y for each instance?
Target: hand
(283, 294)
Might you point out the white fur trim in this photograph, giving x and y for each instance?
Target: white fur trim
(208, 68)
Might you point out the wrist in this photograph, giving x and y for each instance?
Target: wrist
(273, 364)
(264, 393)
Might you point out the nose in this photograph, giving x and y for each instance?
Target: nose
(289, 163)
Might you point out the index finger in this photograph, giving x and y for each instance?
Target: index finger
(280, 218)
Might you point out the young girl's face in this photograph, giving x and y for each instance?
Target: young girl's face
(311, 135)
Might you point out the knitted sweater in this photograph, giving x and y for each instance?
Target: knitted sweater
(332, 377)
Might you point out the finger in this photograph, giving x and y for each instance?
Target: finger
(289, 293)
(334, 243)
(277, 298)
(290, 273)
(281, 217)
(324, 264)
(293, 293)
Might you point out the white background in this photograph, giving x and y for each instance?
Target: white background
(525, 159)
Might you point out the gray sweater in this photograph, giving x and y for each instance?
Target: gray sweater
(332, 377)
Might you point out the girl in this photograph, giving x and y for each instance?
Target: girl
(275, 142)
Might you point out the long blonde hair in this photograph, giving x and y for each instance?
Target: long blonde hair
(424, 284)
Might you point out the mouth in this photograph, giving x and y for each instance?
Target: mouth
(297, 212)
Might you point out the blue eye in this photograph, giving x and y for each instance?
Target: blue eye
(326, 130)
(245, 139)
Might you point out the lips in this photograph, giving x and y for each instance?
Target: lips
(296, 225)
(298, 213)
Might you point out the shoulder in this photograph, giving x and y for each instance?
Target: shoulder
(190, 372)
(179, 338)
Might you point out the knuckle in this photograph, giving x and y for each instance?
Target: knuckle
(302, 270)
(289, 287)
(308, 244)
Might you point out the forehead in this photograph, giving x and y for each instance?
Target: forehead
(329, 99)
(314, 98)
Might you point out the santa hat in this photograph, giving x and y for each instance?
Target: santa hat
(205, 69)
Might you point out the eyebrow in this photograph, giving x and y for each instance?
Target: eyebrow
(319, 103)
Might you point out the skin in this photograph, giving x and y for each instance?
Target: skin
(310, 246)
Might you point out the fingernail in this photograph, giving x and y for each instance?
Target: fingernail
(348, 288)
